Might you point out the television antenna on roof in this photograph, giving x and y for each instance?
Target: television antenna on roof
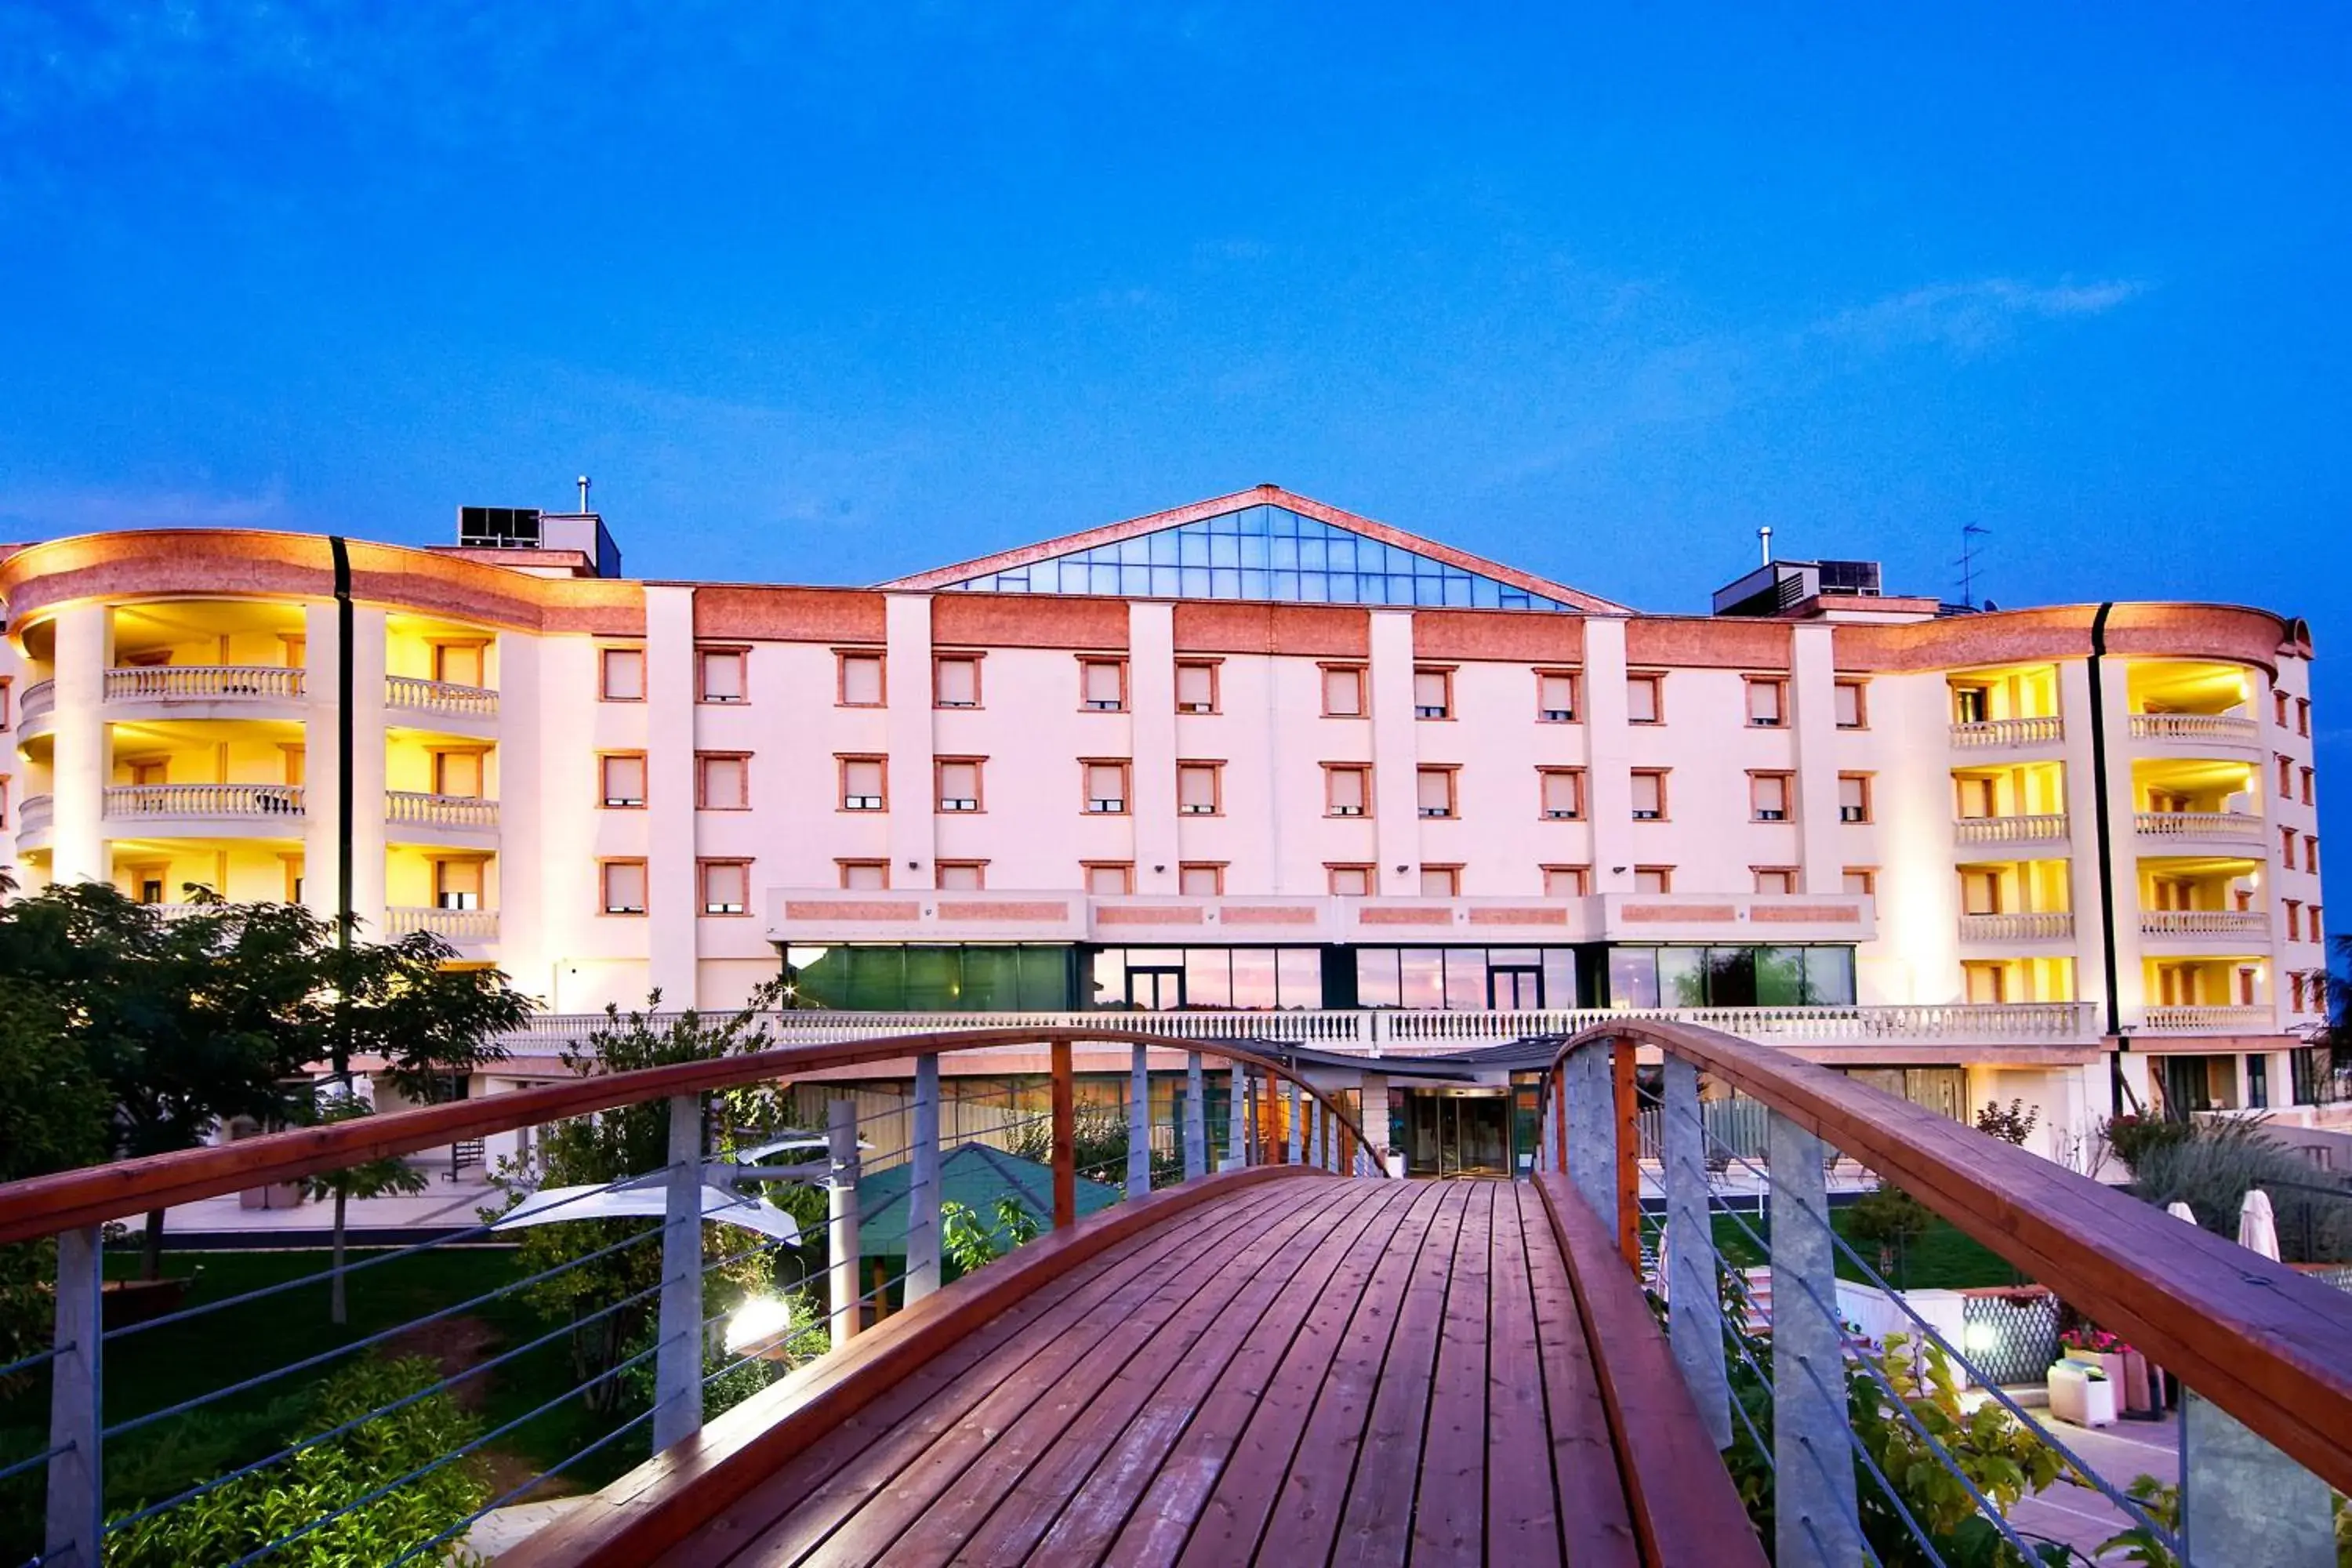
(1969, 549)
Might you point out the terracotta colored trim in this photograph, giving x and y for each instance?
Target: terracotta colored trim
(1111, 533)
(2229, 633)
(1314, 631)
(1512, 636)
(1029, 620)
(1726, 642)
(2259, 1340)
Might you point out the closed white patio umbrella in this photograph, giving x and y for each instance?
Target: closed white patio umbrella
(2257, 1225)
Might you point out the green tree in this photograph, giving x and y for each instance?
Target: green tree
(629, 1142)
(52, 1118)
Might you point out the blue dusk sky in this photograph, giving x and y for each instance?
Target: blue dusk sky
(834, 292)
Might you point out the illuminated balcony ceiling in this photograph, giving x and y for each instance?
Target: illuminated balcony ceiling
(1267, 545)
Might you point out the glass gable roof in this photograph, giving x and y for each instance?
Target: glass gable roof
(1265, 552)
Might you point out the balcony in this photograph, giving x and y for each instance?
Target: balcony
(2044, 925)
(1986, 734)
(413, 809)
(206, 802)
(457, 926)
(2035, 829)
(444, 699)
(2223, 727)
(2230, 827)
(2204, 922)
(40, 698)
(35, 813)
(204, 683)
(2203, 1020)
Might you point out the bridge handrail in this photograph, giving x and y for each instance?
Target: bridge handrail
(2256, 1338)
(45, 1206)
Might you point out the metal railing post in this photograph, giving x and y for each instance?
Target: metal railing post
(840, 1212)
(1066, 1138)
(923, 1183)
(2241, 1501)
(76, 1526)
(677, 1365)
(1297, 1149)
(1689, 1242)
(1196, 1117)
(1138, 1123)
(1558, 1099)
(1590, 1162)
(1251, 1151)
(1236, 1103)
(1815, 1509)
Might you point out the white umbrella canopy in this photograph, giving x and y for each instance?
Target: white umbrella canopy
(2179, 1210)
(549, 1205)
(2257, 1225)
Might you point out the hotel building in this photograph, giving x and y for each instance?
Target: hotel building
(1255, 766)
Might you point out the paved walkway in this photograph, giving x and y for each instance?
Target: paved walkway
(442, 1206)
(2081, 1517)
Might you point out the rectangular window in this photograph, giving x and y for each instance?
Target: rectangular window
(2294, 919)
(1432, 694)
(457, 884)
(1102, 685)
(1343, 691)
(1201, 880)
(2285, 775)
(1775, 880)
(1654, 878)
(962, 876)
(722, 781)
(4, 703)
(719, 673)
(1433, 790)
(1556, 696)
(1852, 705)
(2317, 933)
(1862, 880)
(1645, 700)
(1346, 789)
(1853, 797)
(2306, 788)
(1971, 704)
(1563, 794)
(625, 887)
(1441, 881)
(1200, 788)
(2286, 843)
(1768, 796)
(623, 674)
(455, 773)
(1109, 878)
(1649, 795)
(955, 681)
(1106, 788)
(859, 679)
(725, 887)
(1350, 882)
(865, 783)
(865, 876)
(1567, 881)
(2303, 715)
(959, 779)
(2311, 852)
(1768, 702)
(1196, 688)
(1981, 893)
(2278, 704)
(457, 663)
(621, 779)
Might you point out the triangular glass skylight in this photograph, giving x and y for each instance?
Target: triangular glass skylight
(1263, 552)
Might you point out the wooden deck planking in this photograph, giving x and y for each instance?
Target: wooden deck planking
(1312, 1372)
(808, 1496)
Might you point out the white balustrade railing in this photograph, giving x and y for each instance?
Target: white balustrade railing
(2195, 727)
(449, 925)
(38, 699)
(2204, 922)
(2039, 925)
(203, 683)
(213, 800)
(439, 697)
(439, 810)
(2231, 825)
(2202, 1020)
(1377, 1030)
(34, 813)
(2009, 732)
(2030, 829)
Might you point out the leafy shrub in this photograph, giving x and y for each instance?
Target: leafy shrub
(2012, 1125)
(2131, 1139)
(244, 1515)
(2214, 1167)
(969, 1242)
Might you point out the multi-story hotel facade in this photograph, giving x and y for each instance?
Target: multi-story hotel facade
(1257, 765)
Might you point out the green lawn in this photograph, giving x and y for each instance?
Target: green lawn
(156, 1368)
(1941, 1259)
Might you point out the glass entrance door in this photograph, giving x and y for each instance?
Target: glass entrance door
(1459, 1135)
(1514, 990)
(1155, 990)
